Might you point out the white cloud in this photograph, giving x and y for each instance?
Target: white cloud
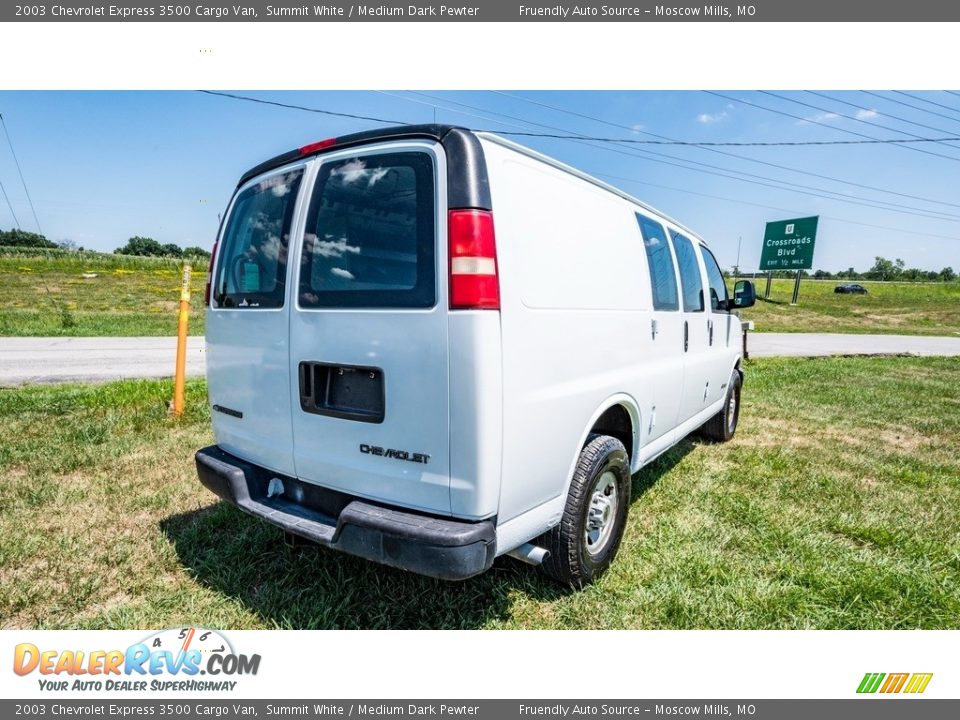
(637, 127)
(866, 114)
(819, 118)
(709, 119)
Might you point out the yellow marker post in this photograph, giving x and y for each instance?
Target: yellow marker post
(184, 319)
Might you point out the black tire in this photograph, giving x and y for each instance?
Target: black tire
(722, 426)
(572, 560)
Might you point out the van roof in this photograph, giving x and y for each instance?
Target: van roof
(441, 132)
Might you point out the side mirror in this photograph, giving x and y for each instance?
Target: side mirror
(744, 295)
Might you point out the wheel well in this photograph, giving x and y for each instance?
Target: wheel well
(615, 422)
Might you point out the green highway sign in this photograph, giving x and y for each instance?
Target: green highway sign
(788, 244)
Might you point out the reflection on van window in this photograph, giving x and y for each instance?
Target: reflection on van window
(663, 278)
(690, 279)
(718, 288)
(370, 234)
(252, 262)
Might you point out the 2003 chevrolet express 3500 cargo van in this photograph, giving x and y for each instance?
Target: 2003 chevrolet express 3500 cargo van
(429, 347)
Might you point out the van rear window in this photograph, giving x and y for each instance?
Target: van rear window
(370, 235)
(252, 262)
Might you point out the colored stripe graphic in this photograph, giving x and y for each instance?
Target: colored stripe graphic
(894, 683)
(918, 683)
(870, 682)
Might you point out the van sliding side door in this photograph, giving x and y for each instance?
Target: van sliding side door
(665, 361)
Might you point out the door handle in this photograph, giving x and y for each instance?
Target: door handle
(710, 330)
(686, 335)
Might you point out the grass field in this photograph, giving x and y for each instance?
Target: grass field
(890, 308)
(836, 506)
(48, 295)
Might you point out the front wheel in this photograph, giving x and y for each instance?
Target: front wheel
(585, 542)
(722, 426)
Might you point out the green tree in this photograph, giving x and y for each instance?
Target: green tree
(22, 238)
(884, 269)
(948, 275)
(138, 245)
(194, 251)
(171, 250)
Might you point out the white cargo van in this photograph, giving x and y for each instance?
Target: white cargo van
(430, 347)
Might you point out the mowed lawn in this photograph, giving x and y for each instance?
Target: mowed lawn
(889, 308)
(836, 506)
(130, 296)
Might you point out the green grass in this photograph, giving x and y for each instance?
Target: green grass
(890, 308)
(836, 506)
(48, 295)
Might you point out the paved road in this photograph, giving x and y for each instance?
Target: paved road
(93, 359)
(822, 344)
(53, 360)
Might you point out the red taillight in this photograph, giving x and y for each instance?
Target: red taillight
(318, 146)
(213, 259)
(473, 261)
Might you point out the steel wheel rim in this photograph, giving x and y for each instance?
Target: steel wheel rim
(732, 412)
(601, 514)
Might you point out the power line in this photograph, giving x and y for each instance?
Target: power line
(17, 163)
(303, 107)
(918, 212)
(909, 105)
(876, 112)
(7, 198)
(817, 192)
(733, 155)
(807, 120)
(632, 141)
(931, 102)
(952, 92)
(691, 143)
(773, 207)
(856, 119)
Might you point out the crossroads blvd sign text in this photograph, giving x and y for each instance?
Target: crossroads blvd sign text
(788, 244)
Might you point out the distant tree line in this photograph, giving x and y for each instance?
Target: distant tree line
(22, 238)
(149, 247)
(142, 246)
(883, 269)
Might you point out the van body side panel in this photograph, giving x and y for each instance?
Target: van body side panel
(476, 413)
(575, 318)
(372, 301)
(248, 348)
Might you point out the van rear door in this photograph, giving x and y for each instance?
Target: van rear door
(368, 332)
(247, 332)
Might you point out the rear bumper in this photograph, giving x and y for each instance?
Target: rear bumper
(442, 548)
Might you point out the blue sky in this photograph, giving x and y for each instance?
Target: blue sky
(104, 166)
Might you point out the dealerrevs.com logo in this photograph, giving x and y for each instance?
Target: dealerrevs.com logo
(173, 659)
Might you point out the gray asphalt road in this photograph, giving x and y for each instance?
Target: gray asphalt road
(53, 360)
(94, 359)
(822, 344)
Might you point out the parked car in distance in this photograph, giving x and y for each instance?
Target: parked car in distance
(388, 379)
(851, 289)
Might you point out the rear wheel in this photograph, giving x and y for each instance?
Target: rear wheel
(722, 426)
(585, 542)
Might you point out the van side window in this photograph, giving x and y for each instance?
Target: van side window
(690, 279)
(718, 288)
(252, 262)
(663, 278)
(370, 236)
